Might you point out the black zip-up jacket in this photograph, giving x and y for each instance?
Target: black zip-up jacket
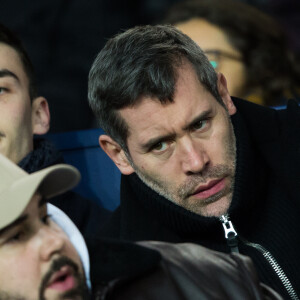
(265, 208)
(159, 270)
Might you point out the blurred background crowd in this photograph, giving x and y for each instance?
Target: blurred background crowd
(259, 40)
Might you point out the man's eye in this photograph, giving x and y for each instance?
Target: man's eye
(2, 90)
(160, 147)
(200, 124)
(16, 237)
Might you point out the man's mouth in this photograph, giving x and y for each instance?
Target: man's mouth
(62, 280)
(211, 188)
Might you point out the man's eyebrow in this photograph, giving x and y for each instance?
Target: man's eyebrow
(152, 142)
(203, 116)
(13, 224)
(7, 73)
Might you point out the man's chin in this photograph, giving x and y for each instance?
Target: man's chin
(211, 207)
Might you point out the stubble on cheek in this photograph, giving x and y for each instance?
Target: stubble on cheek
(180, 195)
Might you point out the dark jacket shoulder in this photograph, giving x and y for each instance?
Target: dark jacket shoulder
(158, 270)
(87, 215)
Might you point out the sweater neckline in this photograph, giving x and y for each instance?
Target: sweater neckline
(44, 155)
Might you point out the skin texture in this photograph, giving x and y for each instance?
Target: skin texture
(27, 251)
(211, 37)
(19, 118)
(191, 160)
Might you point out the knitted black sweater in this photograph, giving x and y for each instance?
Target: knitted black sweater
(265, 205)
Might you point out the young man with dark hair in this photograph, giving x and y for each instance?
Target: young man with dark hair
(22, 114)
(193, 157)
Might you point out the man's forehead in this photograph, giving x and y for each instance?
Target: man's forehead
(143, 108)
(150, 117)
(145, 115)
(189, 92)
(10, 60)
(7, 50)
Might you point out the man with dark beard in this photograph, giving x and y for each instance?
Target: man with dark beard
(192, 157)
(37, 258)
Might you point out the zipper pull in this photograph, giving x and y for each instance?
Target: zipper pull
(230, 233)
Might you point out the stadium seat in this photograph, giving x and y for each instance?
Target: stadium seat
(100, 177)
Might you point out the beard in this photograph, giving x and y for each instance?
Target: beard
(180, 195)
(80, 292)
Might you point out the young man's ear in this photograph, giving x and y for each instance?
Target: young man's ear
(40, 116)
(223, 91)
(116, 153)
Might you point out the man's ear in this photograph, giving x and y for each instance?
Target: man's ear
(40, 116)
(223, 91)
(116, 153)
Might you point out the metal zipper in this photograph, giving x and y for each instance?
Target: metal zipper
(276, 267)
(232, 241)
(230, 233)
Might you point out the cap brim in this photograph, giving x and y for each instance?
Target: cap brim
(50, 182)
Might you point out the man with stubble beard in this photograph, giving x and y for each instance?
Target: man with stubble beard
(197, 164)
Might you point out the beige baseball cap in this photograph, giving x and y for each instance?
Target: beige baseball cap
(17, 186)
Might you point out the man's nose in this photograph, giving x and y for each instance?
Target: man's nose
(194, 157)
(52, 242)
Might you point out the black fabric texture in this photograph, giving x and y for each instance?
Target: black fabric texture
(159, 270)
(265, 204)
(43, 156)
(119, 259)
(86, 214)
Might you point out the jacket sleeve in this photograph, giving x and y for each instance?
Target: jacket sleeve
(183, 272)
(196, 272)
